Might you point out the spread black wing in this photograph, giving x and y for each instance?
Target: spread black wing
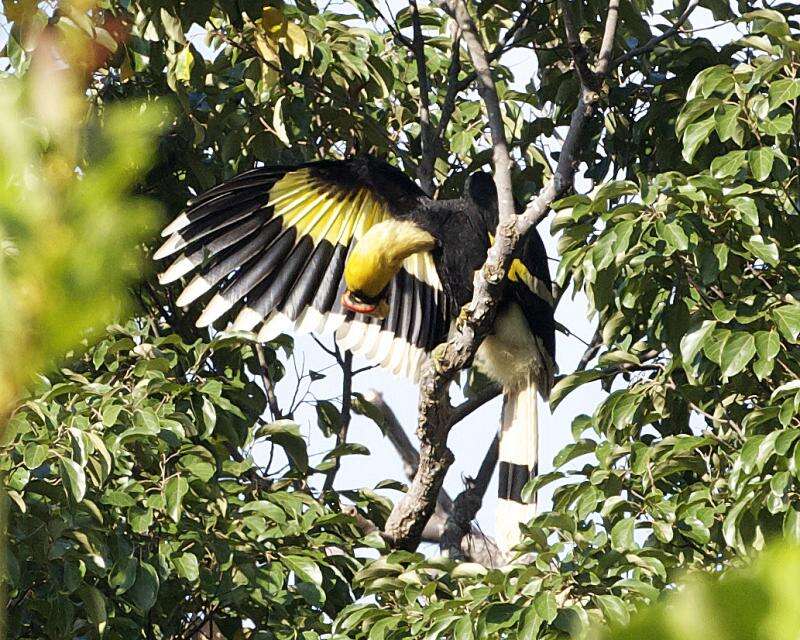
(270, 245)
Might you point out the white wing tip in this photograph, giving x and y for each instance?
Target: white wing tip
(176, 225)
(176, 270)
(275, 325)
(196, 288)
(214, 310)
(247, 319)
(169, 247)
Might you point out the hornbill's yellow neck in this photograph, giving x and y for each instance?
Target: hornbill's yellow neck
(377, 257)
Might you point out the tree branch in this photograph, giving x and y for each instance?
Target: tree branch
(651, 44)
(475, 545)
(468, 503)
(347, 399)
(609, 34)
(591, 350)
(269, 388)
(406, 522)
(456, 86)
(402, 443)
(428, 156)
(489, 392)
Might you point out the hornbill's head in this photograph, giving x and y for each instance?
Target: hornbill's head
(376, 259)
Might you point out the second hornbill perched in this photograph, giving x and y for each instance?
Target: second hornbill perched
(355, 247)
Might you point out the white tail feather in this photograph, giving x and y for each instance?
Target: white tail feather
(519, 451)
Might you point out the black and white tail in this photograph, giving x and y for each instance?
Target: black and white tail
(518, 462)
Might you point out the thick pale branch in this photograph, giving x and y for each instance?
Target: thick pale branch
(402, 443)
(607, 46)
(406, 523)
(474, 544)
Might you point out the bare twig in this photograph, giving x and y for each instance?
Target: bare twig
(428, 156)
(468, 503)
(591, 350)
(406, 522)
(396, 33)
(486, 394)
(269, 387)
(344, 420)
(656, 40)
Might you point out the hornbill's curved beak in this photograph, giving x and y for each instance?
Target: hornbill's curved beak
(376, 307)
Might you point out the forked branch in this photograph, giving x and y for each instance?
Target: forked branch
(407, 521)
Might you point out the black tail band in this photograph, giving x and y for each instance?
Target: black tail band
(512, 478)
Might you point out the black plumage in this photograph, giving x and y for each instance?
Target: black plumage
(357, 247)
(252, 248)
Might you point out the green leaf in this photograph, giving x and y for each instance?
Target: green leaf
(693, 342)
(209, 414)
(746, 208)
(726, 119)
(737, 353)
(110, 414)
(768, 346)
(95, 604)
(529, 624)
(145, 590)
(782, 91)
(187, 566)
(278, 125)
(569, 383)
(692, 111)
(622, 534)
(123, 575)
(286, 434)
(305, 568)
(172, 26)
(546, 606)
(35, 455)
(761, 160)
(729, 164)
(787, 319)
(778, 125)
(174, 491)
(709, 80)
(766, 251)
(695, 136)
(463, 629)
(329, 418)
(184, 62)
(613, 608)
(674, 235)
(791, 525)
(74, 478)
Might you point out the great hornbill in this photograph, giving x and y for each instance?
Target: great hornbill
(354, 246)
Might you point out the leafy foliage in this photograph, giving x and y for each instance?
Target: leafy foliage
(128, 493)
(756, 602)
(69, 223)
(137, 511)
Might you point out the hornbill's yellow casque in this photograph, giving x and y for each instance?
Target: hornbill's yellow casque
(356, 247)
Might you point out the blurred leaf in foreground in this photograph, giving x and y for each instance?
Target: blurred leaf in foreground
(68, 220)
(760, 602)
